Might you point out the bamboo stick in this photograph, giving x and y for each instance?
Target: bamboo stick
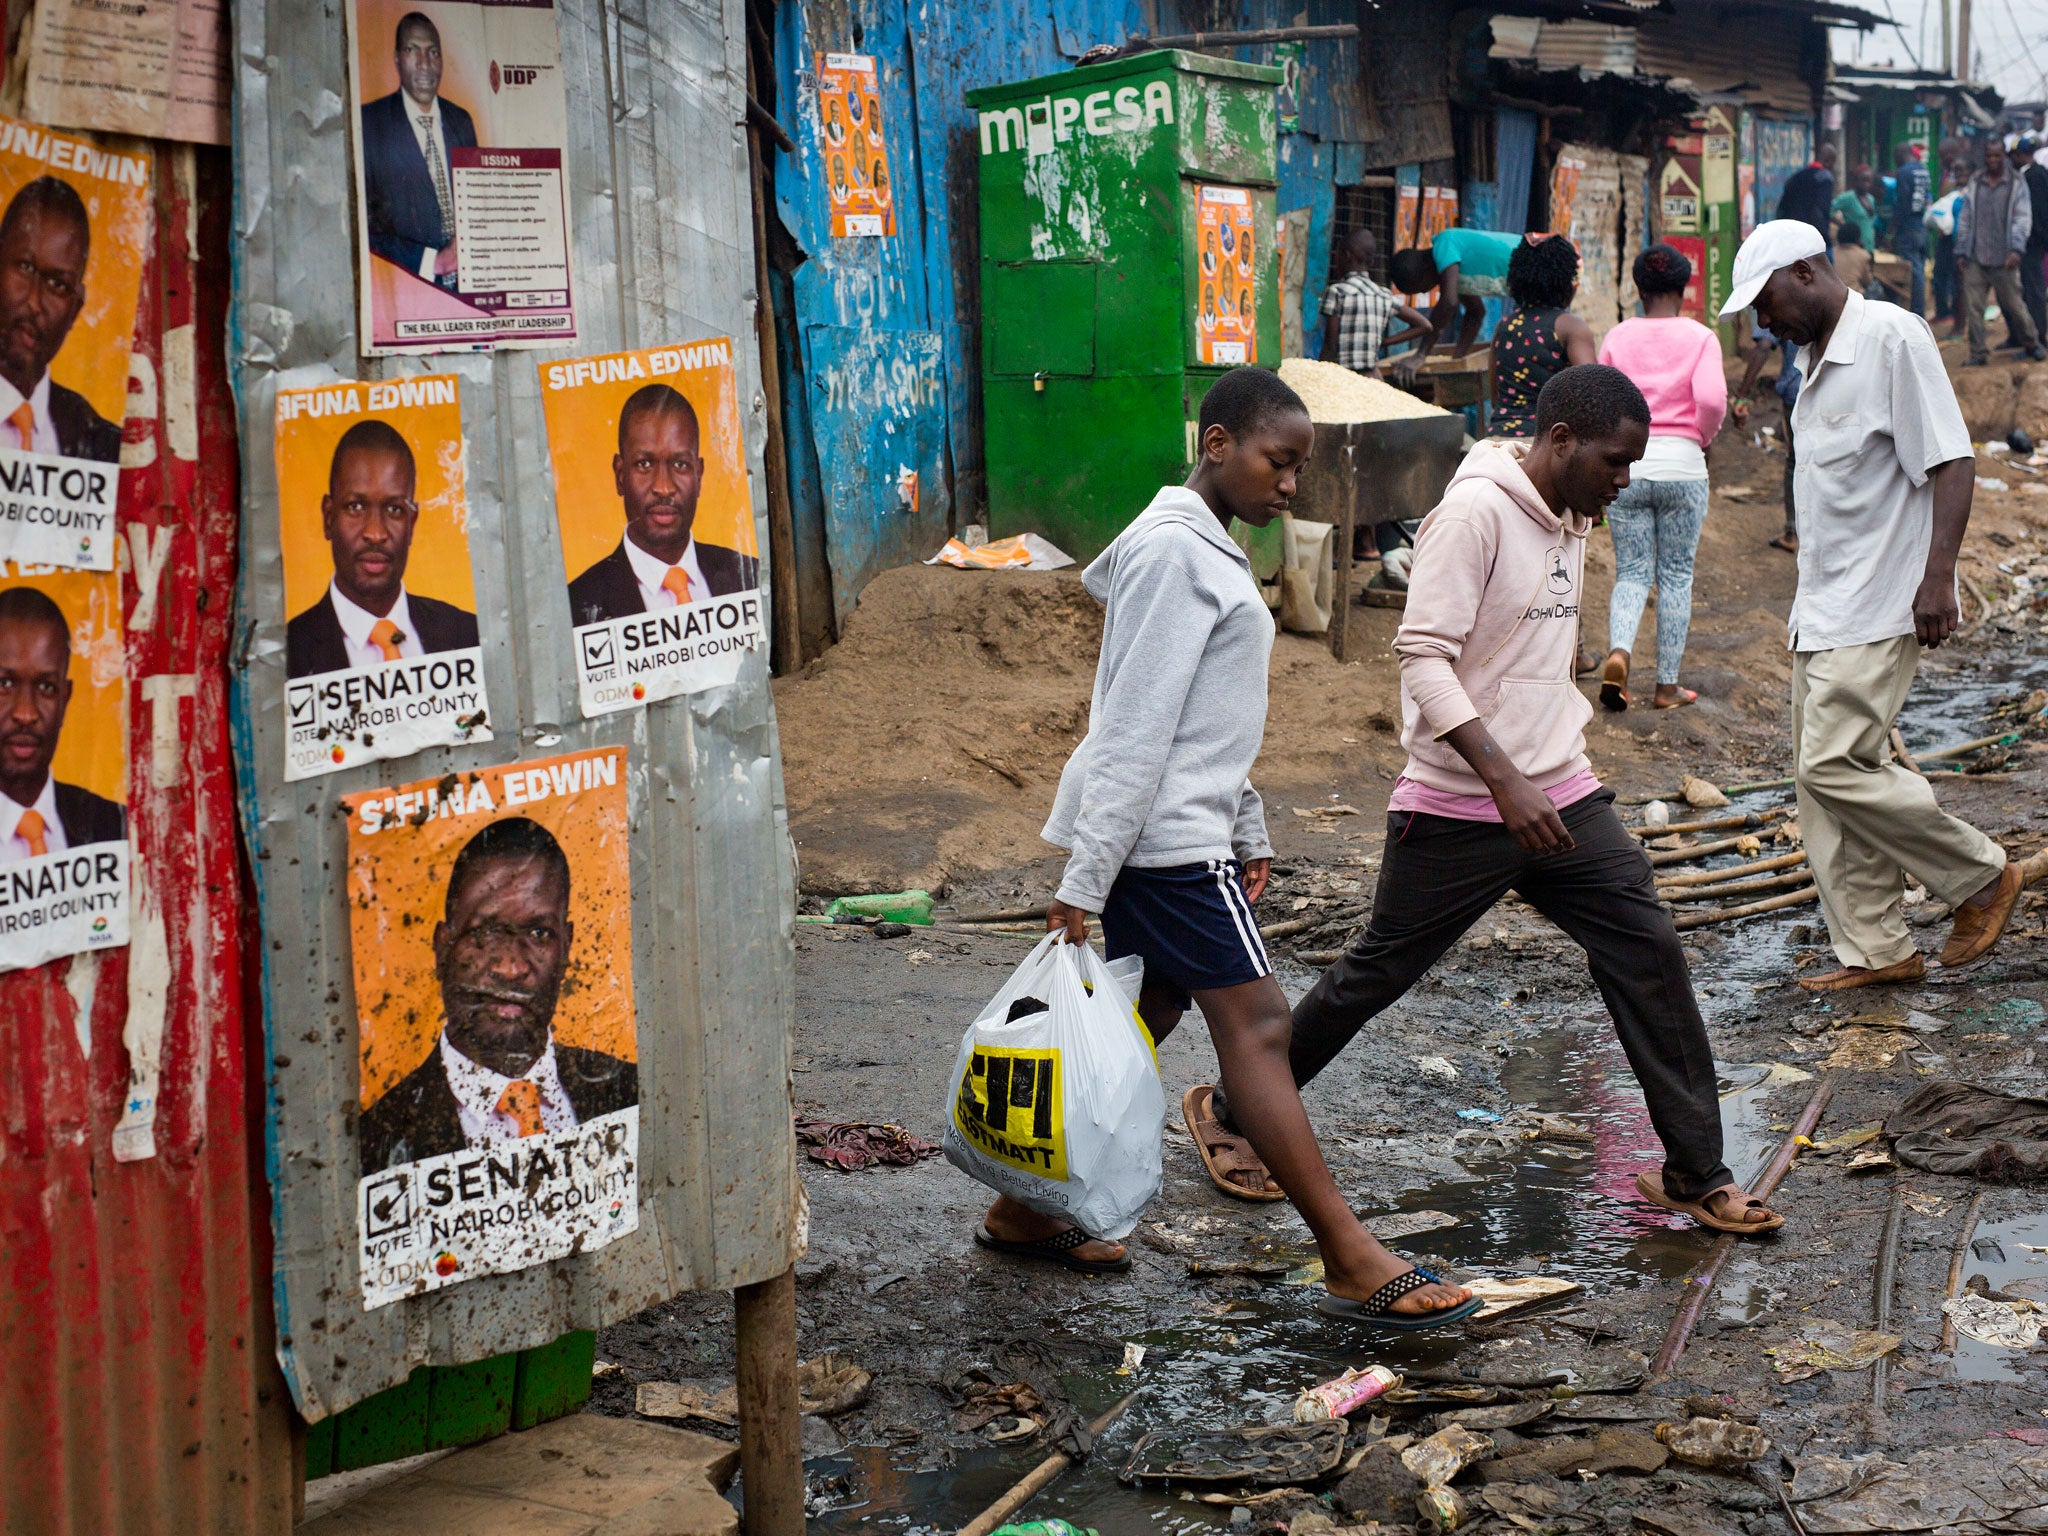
(1020, 1493)
(1786, 881)
(1956, 1259)
(1718, 824)
(1686, 855)
(1733, 871)
(1753, 909)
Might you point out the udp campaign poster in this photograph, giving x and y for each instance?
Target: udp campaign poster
(657, 525)
(63, 765)
(74, 217)
(381, 651)
(490, 916)
(1227, 324)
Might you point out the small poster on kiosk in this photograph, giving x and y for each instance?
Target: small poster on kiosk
(491, 920)
(461, 132)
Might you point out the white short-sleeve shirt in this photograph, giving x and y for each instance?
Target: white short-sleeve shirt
(1875, 416)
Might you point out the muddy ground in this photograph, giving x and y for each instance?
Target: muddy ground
(924, 750)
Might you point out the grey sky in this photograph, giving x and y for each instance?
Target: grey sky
(2009, 39)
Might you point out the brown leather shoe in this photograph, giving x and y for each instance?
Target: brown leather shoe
(1978, 928)
(1912, 968)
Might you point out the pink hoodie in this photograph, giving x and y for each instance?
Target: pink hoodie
(1676, 363)
(1492, 627)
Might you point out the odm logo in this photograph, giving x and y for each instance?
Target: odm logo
(639, 693)
(445, 1263)
(336, 752)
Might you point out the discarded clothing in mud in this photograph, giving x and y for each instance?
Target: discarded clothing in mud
(1255, 1455)
(1957, 1127)
(850, 1145)
(2002, 1484)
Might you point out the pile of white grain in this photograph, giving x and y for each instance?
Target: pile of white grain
(1333, 394)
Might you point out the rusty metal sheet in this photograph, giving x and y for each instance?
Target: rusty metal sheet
(662, 231)
(136, 1389)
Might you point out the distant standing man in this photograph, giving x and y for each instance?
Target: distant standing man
(407, 182)
(2033, 281)
(1994, 220)
(1809, 194)
(1885, 475)
(1858, 205)
(1356, 311)
(1915, 190)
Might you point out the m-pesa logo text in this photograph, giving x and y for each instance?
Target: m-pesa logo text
(1038, 125)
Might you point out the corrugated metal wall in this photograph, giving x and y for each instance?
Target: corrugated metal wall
(1759, 54)
(662, 237)
(137, 1392)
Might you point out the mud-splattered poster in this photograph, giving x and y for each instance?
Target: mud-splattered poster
(461, 132)
(63, 765)
(491, 921)
(1226, 325)
(856, 152)
(74, 214)
(657, 524)
(381, 648)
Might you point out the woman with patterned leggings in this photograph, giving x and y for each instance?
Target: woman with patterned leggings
(1656, 522)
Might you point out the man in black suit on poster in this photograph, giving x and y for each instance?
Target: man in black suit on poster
(497, 1073)
(408, 184)
(659, 563)
(45, 238)
(39, 815)
(366, 617)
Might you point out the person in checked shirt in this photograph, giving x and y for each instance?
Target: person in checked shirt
(1357, 310)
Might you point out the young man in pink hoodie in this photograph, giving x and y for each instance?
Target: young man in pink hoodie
(1497, 794)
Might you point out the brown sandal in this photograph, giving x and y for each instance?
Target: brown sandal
(1222, 1152)
(1651, 1187)
(1614, 685)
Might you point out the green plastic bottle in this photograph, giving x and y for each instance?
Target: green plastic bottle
(888, 907)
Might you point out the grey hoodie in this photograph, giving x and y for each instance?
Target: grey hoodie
(1179, 708)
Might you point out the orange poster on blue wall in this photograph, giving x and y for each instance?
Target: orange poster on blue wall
(856, 153)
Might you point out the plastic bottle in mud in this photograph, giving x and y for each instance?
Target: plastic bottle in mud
(1714, 1442)
(1345, 1395)
(1441, 1509)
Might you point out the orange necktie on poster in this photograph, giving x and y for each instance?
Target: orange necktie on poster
(385, 636)
(30, 830)
(24, 423)
(520, 1103)
(677, 584)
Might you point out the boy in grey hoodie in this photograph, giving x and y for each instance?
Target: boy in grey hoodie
(1168, 838)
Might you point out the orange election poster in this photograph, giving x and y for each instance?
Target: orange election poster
(381, 649)
(1226, 327)
(490, 915)
(63, 765)
(657, 521)
(856, 153)
(75, 218)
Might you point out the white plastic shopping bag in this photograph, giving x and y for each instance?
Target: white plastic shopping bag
(1055, 1093)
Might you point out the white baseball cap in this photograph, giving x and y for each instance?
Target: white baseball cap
(1769, 247)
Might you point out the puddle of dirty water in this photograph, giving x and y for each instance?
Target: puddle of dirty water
(2013, 1262)
(1564, 1210)
(1947, 706)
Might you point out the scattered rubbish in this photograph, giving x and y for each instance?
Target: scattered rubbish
(1726, 1405)
(1922, 1023)
(1948, 1126)
(850, 1145)
(1858, 1049)
(600, 1369)
(881, 1283)
(1701, 795)
(1987, 1249)
(984, 1401)
(1134, 1357)
(1870, 1158)
(1440, 1458)
(1612, 1450)
(1845, 1141)
(1344, 1395)
(1483, 1116)
(1609, 1410)
(1423, 1399)
(1657, 814)
(1924, 1203)
(1321, 812)
(1436, 1067)
(914, 907)
(1060, 1109)
(1008, 1431)
(1503, 1295)
(2008, 1324)
(1707, 1442)
(1545, 1365)
(1255, 1455)
(1440, 1509)
(1500, 1416)
(826, 1385)
(1982, 1483)
(1829, 1346)
(1053, 1527)
(1402, 1224)
(1256, 1269)
(1019, 552)
(890, 930)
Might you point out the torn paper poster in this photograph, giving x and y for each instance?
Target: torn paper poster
(1021, 552)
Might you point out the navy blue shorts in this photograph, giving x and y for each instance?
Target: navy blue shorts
(1191, 923)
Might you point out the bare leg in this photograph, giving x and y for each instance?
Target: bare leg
(1250, 1026)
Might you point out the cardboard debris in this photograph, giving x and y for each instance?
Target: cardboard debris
(1830, 1347)
(1865, 1050)
(825, 1385)
(2008, 1324)
(1503, 1295)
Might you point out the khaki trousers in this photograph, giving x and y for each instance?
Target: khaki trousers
(1979, 283)
(1868, 821)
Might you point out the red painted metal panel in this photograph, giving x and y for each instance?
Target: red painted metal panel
(139, 1391)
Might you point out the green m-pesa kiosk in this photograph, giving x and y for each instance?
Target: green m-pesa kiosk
(1127, 260)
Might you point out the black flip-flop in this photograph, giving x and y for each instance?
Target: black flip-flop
(1377, 1309)
(1058, 1249)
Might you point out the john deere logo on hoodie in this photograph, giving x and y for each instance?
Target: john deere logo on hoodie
(1559, 584)
(1009, 1106)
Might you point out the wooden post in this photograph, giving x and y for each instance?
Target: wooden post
(771, 1436)
(1347, 533)
(785, 639)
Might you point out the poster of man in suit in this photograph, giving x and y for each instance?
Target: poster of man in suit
(63, 765)
(74, 216)
(499, 1089)
(382, 653)
(657, 521)
(460, 125)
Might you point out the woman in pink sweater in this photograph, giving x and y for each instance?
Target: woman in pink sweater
(1656, 522)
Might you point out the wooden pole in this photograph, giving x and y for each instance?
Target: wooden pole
(785, 640)
(1958, 1257)
(771, 1434)
(1962, 65)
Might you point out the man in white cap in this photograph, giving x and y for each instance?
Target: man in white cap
(1883, 487)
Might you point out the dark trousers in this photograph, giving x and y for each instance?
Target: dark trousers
(1913, 247)
(2034, 288)
(1945, 284)
(1440, 876)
